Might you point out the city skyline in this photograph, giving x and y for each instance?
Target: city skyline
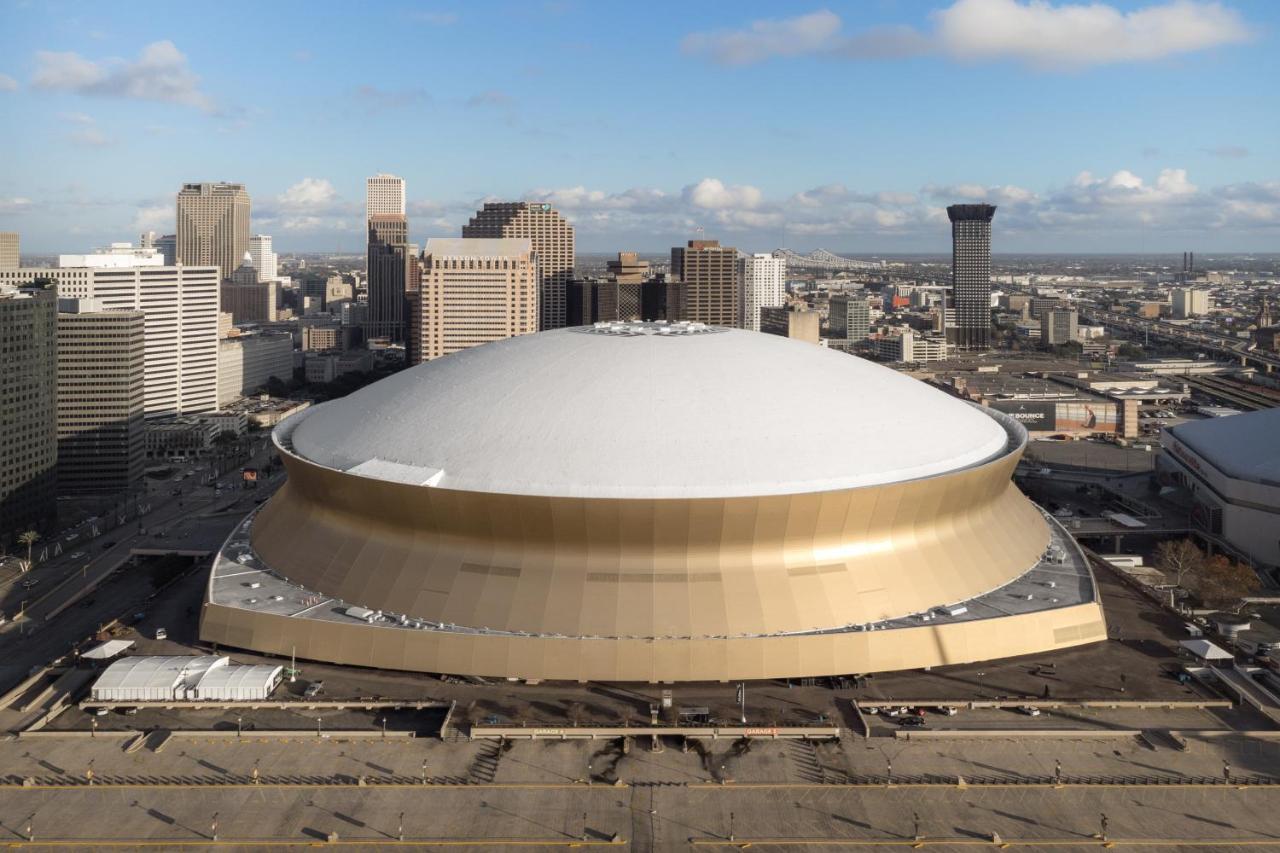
(1121, 127)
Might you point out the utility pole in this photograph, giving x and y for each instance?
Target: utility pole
(742, 700)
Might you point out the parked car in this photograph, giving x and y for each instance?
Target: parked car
(30, 582)
(912, 722)
(77, 555)
(314, 689)
(162, 634)
(897, 712)
(1029, 710)
(946, 710)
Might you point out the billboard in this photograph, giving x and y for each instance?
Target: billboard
(1034, 415)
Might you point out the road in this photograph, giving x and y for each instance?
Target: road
(197, 521)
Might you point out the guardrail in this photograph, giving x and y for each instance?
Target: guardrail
(598, 732)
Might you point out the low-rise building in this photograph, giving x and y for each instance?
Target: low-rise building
(790, 321)
(909, 346)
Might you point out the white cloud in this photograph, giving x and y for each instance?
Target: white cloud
(86, 134)
(712, 194)
(1037, 33)
(1073, 34)
(160, 73)
(815, 32)
(154, 216)
(308, 194)
(8, 84)
(14, 204)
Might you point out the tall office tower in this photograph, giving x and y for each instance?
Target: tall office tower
(849, 317)
(180, 308)
(101, 398)
(213, 226)
(971, 273)
(263, 257)
(388, 257)
(1058, 325)
(28, 414)
(472, 291)
(763, 284)
(553, 242)
(709, 277)
(167, 246)
(9, 255)
(384, 195)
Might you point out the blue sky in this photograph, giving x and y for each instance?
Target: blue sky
(1143, 126)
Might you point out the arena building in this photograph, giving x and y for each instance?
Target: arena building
(650, 502)
(1231, 467)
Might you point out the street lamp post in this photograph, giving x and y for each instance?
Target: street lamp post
(317, 727)
(384, 725)
(424, 771)
(1103, 823)
(731, 826)
(213, 827)
(915, 820)
(400, 830)
(1057, 771)
(239, 725)
(888, 772)
(1226, 771)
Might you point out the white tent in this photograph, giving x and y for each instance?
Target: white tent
(166, 678)
(107, 650)
(239, 683)
(1206, 650)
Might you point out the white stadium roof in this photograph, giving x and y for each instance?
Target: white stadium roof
(629, 412)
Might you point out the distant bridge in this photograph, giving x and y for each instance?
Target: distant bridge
(824, 260)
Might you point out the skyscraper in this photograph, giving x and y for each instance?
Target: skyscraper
(101, 398)
(472, 291)
(849, 317)
(28, 418)
(213, 226)
(552, 239)
(180, 308)
(763, 284)
(971, 273)
(263, 257)
(388, 256)
(9, 255)
(384, 195)
(708, 291)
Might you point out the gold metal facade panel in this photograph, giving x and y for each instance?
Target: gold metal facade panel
(653, 661)
(612, 568)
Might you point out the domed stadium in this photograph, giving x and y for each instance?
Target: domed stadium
(650, 502)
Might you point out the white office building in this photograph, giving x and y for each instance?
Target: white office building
(180, 310)
(910, 346)
(246, 363)
(262, 257)
(1188, 302)
(384, 195)
(763, 279)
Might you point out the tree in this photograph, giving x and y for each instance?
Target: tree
(28, 538)
(1177, 557)
(1129, 350)
(1223, 583)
